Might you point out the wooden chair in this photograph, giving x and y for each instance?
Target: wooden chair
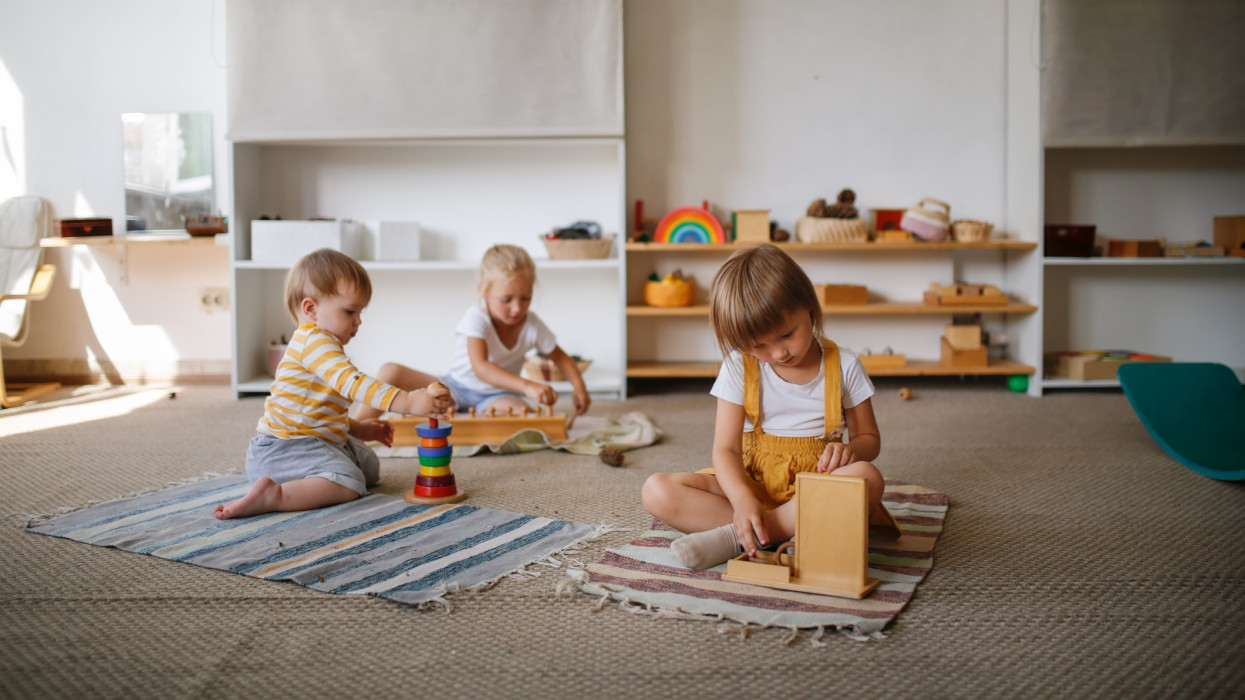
(23, 221)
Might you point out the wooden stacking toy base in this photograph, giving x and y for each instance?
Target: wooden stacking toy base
(435, 483)
(831, 541)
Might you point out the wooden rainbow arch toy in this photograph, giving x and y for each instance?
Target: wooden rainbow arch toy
(689, 225)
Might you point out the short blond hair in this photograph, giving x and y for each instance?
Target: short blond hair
(319, 275)
(752, 294)
(503, 262)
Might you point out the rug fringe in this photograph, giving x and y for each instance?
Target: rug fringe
(577, 581)
(559, 559)
(37, 518)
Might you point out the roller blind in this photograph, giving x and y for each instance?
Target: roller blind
(329, 69)
(1143, 72)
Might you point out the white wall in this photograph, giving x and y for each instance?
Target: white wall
(68, 70)
(771, 105)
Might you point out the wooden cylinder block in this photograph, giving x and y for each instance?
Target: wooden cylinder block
(435, 491)
(446, 451)
(434, 471)
(433, 461)
(433, 442)
(446, 480)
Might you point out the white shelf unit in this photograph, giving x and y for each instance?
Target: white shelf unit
(466, 194)
(1184, 308)
(678, 342)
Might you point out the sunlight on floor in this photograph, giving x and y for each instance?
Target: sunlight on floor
(76, 414)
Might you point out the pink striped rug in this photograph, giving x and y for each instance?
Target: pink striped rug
(645, 575)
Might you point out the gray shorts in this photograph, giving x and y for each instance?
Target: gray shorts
(353, 465)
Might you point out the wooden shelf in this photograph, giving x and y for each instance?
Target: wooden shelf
(672, 370)
(915, 368)
(1000, 244)
(881, 308)
(129, 239)
(1132, 262)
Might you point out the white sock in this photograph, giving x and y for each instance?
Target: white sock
(701, 550)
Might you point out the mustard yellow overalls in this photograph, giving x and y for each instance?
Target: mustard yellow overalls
(773, 461)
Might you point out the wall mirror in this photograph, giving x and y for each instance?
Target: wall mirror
(168, 169)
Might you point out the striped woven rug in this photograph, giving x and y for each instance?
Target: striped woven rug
(645, 573)
(376, 545)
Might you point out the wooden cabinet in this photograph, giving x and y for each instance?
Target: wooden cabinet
(678, 342)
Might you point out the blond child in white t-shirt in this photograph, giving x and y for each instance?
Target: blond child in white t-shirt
(492, 340)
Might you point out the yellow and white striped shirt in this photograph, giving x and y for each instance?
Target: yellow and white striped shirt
(314, 388)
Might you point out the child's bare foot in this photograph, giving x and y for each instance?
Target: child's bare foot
(262, 498)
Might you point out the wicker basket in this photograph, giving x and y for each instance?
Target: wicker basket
(543, 370)
(968, 231)
(579, 248)
(817, 230)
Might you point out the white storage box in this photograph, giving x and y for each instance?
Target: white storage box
(287, 241)
(391, 241)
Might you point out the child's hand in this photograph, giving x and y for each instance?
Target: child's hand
(834, 456)
(582, 401)
(441, 401)
(540, 393)
(373, 429)
(750, 527)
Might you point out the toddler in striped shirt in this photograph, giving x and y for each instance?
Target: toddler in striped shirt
(309, 453)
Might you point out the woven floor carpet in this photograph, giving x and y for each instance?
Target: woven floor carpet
(377, 545)
(646, 573)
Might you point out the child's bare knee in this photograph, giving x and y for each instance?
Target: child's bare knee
(655, 494)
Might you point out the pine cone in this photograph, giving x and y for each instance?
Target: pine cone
(817, 209)
(842, 210)
(611, 455)
(847, 197)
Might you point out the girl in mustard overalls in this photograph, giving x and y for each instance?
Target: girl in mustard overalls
(786, 397)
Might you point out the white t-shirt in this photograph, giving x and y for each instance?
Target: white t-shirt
(477, 324)
(795, 410)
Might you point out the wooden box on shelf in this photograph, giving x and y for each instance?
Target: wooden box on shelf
(1088, 366)
(831, 294)
(963, 337)
(963, 357)
(1135, 249)
(951, 295)
(751, 225)
(1230, 234)
(894, 235)
(884, 361)
(74, 228)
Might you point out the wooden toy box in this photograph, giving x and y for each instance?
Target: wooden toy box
(1091, 366)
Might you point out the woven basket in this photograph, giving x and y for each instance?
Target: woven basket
(968, 231)
(578, 248)
(817, 230)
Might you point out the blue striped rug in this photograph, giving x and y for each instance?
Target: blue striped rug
(377, 545)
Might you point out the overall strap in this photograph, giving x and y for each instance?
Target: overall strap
(833, 386)
(752, 390)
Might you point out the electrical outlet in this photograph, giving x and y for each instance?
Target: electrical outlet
(213, 299)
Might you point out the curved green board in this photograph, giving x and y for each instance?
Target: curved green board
(1194, 410)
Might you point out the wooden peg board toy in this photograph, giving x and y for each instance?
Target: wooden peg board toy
(831, 541)
(435, 483)
(490, 427)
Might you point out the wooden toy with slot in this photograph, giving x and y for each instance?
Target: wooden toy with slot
(490, 427)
